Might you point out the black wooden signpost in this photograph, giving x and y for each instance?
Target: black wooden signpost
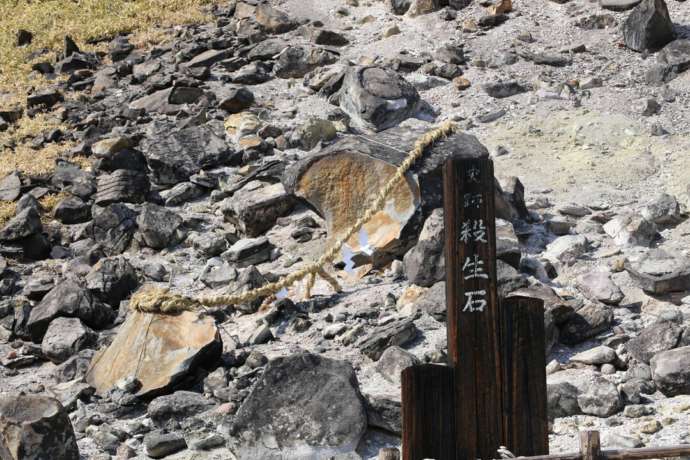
(493, 392)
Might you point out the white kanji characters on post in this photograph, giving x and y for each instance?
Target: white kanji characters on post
(472, 200)
(473, 230)
(474, 268)
(475, 304)
(473, 174)
(479, 231)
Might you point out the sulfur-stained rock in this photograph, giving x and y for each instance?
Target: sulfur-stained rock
(35, 428)
(256, 207)
(342, 179)
(156, 349)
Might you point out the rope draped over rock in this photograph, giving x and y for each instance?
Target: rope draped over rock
(156, 299)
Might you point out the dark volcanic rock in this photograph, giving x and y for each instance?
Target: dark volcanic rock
(65, 337)
(26, 223)
(35, 428)
(112, 280)
(176, 407)
(113, 227)
(318, 412)
(396, 333)
(377, 98)
(175, 155)
(649, 26)
(72, 210)
(123, 185)
(159, 227)
(504, 89)
(297, 61)
(69, 300)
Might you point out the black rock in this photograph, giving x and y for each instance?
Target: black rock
(158, 227)
(396, 333)
(113, 227)
(76, 61)
(367, 96)
(72, 210)
(123, 185)
(272, 424)
(24, 37)
(238, 100)
(329, 38)
(26, 223)
(70, 47)
(649, 26)
(129, 159)
(112, 280)
(252, 74)
(159, 445)
(400, 6)
(120, 48)
(175, 155)
(168, 409)
(46, 99)
(502, 89)
(68, 300)
(297, 61)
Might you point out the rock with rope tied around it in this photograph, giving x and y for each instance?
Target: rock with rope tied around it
(399, 209)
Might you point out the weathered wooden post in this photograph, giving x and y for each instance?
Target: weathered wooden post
(428, 412)
(472, 306)
(525, 421)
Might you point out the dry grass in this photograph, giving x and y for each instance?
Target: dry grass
(90, 23)
(7, 211)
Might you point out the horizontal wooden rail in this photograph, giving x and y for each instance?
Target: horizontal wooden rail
(642, 453)
(590, 450)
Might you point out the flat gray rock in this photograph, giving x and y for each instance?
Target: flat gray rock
(317, 411)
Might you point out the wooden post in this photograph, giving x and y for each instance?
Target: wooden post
(525, 420)
(590, 447)
(428, 412)
(389, 453)
(472, 307)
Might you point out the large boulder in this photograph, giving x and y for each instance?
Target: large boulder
(593, 393)
(256, 207)
(341, 180)
(64, 338)
(671, 371)
(659, 272)
(376, 98)
(174, 155)
(156, 349)
(112, 280)
(35, 428)
(598, 285)
(649, 26)
(68, 299)
(113, 228)
(588, 321)
(159, 227)
(654, 339)
(303, 407)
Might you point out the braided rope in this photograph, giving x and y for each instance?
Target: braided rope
(156, 299)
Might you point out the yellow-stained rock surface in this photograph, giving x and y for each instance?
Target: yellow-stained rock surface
(156, 349)
(342, 185)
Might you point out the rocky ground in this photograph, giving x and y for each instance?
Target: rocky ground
(237, 152)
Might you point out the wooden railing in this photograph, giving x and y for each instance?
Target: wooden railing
(590, 449)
